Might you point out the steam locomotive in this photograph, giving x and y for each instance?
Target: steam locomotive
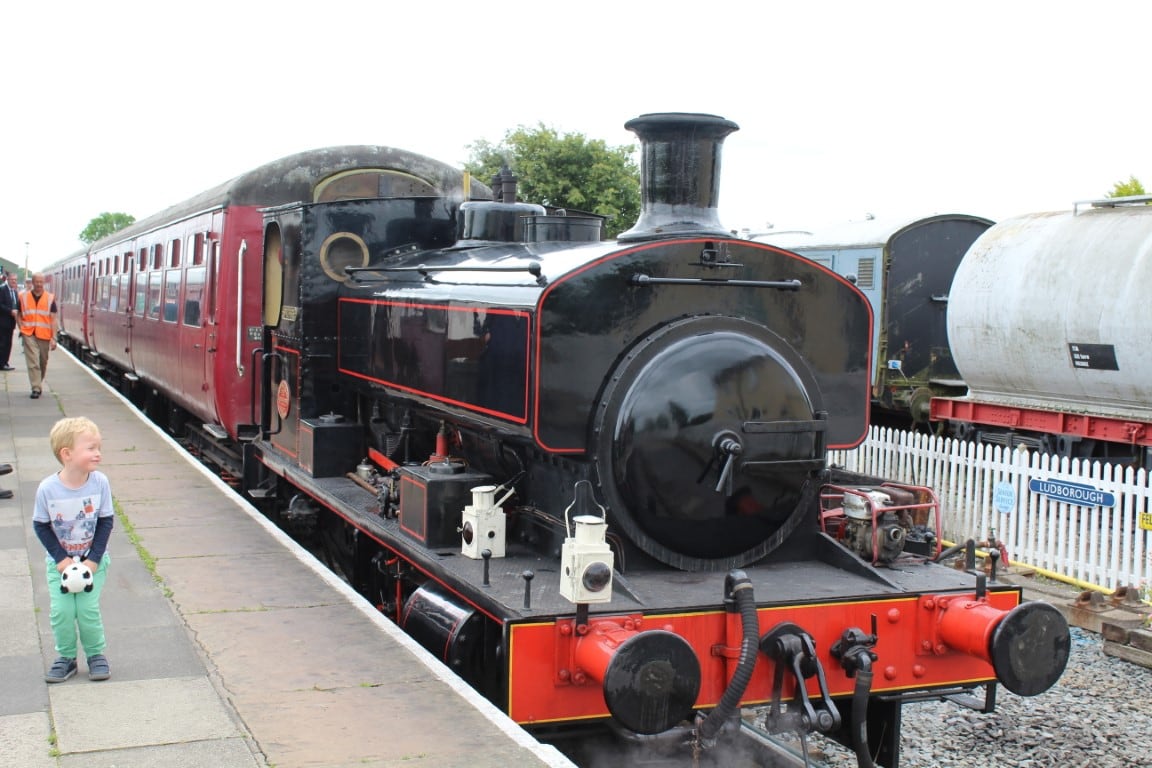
(1046, 328)
(589, 476)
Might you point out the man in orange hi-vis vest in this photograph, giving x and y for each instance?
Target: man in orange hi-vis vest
(38, 325)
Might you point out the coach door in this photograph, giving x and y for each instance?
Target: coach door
(117, 341)
(196, 352)
(132, 298)
(95, 337)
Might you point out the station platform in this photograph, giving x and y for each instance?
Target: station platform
(229, 644)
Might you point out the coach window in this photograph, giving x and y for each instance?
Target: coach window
(171, 294)
(141, 296)
(155, 280)
(174, 253)
(125, 287)
(213, 281)
(143, 259)
(193, 296)
(113, 304)
(114, 283)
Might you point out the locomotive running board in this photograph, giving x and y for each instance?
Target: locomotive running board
(832, 552)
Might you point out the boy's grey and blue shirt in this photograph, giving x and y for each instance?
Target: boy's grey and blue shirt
(74, 522)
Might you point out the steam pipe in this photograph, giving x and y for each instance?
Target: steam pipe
(860, 697)
(739, 586)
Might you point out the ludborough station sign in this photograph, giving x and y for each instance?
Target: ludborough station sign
(1072, 493)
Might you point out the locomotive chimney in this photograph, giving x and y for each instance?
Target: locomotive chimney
(679, 174)
(504, 185)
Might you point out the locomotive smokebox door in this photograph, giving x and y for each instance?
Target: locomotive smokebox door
(432, 501)
(330, 446)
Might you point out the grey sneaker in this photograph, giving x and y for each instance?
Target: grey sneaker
(62, 669)
(98, 668)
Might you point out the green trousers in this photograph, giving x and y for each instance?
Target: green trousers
(80, 610)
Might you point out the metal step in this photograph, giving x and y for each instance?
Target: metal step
(216, 431)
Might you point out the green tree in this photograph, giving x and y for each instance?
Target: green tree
(104, 225)
(1127, 188)
(565, 171)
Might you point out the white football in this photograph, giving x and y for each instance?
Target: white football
(76, 578)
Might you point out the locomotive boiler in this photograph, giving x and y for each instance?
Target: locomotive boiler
(591, 476)
(1046, 326)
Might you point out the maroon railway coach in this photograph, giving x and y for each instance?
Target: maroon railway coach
(169, 308)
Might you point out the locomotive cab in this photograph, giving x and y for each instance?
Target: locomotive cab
(309, 250)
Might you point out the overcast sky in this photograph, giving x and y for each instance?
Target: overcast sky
(845, 108)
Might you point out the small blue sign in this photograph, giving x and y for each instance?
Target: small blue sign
(1003, 497)
(1072, 493)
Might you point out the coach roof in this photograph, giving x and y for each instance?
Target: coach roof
(293, 178)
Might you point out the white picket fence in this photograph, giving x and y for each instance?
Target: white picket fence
(1014, 496)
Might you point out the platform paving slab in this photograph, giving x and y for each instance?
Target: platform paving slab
(369, 740)
(23, 688)
(215, 753)
(11, 511)
(147, 712)
(209, 584)
(11, 537)
(244, 538)
(303, 661)
(25, 740)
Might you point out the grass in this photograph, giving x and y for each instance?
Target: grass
(145, 556)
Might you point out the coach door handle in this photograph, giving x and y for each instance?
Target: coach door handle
(240, 308)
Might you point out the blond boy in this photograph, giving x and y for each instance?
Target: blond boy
(73, 519)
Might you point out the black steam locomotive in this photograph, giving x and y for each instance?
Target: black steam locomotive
(591, 476)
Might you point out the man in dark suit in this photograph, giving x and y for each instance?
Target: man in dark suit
(8, 310)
